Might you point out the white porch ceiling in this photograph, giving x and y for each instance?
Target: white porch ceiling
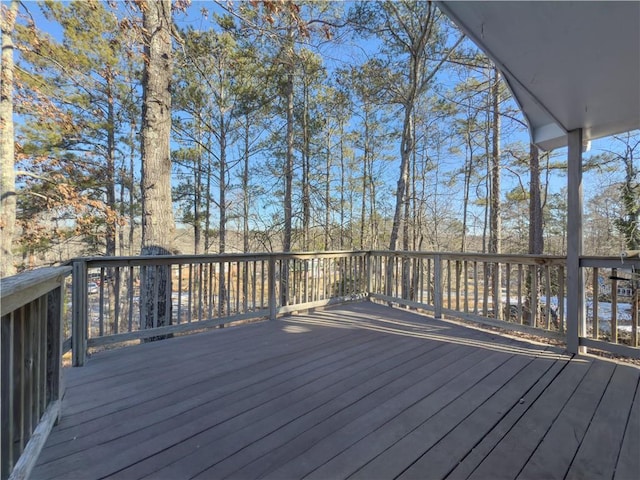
(569, 64)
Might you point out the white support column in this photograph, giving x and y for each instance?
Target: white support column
(575, 280)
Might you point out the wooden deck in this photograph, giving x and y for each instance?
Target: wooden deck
(361, 391)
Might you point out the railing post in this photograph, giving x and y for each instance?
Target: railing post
(575, 283)
(271, 286)
(55, 301)
(80, 307)
(437, 286)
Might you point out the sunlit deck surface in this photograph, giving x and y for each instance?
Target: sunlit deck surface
(359, 391)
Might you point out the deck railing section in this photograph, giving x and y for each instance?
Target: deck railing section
(612, 289)
(118, 300)
(202, 292)
(31, 306)
(518, 292)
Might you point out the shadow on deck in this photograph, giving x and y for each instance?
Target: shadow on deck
(360, 391)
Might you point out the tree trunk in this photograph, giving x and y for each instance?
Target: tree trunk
(468, 170)
(630, 223)
(222, 239)
(366, 178)
(207, 204)
(110, 227)
(536, 238)
(132, 188)
(495, 234)
(288, 169)
(495, 231)
(327, 194)
(406, 147)
(157, 210)
(288, 191)
(7, 145)
(405, 155)
(197, 197)
(342, 189)
(373, 212)
(245, 189)
(306, 170)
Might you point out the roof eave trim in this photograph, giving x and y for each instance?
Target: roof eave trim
(544, 139)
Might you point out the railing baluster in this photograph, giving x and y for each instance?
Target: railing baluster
(116, 301)
(458, 270)
(547, 290)
(228, 288)
(271, 281)
(614, 306)
(520, 281)
(237, 292)
(465, 273)
(131, 288)
(595, 323)
(449, 306)
(533, 297)
(561, 289)
(485, 289)
(437, 286)
(507, 280)
(476, 288)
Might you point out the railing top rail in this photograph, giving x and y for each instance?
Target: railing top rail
(619, 261)
(207, 258)
(18, 290)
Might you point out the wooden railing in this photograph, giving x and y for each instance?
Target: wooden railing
(30, 365)
(130, 298)
(515, 292)
(612, 288)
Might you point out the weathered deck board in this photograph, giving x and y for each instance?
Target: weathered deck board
(555, 453)
(441, 458)
(629, 461)
(362, 391)
(599, 450)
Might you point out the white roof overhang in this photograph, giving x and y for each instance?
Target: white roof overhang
(570, 65)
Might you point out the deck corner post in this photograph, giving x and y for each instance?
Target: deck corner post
(575, 279)
(55, 334)
(79, 294)
(271, 285)
(437, 286)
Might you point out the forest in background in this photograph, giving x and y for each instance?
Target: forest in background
(294, 127)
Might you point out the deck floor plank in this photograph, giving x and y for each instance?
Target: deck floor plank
(430, 394)
(628, 465)
(510, 453)
(153, 410)
(553, 457)
(284, 445)
(236, 374)
(418, 425)
(337, 377)
(245, 371)
(443, 456)
(192, 419)
(218, 358)
(501, 391)
(269, 427)
(598, 452)
(357, 391)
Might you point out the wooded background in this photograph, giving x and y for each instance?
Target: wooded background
(202, 127)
